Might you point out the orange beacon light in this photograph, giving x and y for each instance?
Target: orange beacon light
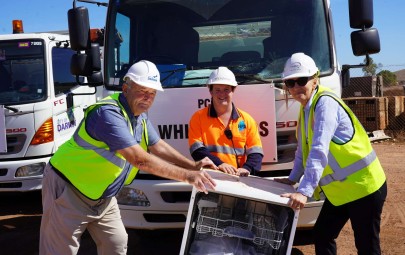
(18, 26)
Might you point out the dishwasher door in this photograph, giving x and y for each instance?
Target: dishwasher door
(243, 215)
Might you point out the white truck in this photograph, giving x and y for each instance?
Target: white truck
(41, 104)
(187, 40)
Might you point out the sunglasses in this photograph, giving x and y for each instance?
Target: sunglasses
(302, 81)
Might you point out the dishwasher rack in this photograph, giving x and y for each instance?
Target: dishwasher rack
(250, 220)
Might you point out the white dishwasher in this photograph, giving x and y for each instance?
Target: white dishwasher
(242, 216)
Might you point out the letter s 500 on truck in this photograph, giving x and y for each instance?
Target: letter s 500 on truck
(189, 39)
(41, 104)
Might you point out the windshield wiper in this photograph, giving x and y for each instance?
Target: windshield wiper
(171, 72)
(244, 76)
(94, 2)
(249, 77)
(11, 108)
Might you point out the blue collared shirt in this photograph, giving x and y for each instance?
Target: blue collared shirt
(331, 123)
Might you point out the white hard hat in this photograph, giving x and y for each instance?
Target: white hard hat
(146, 74)
(222, 75)
(299, 65)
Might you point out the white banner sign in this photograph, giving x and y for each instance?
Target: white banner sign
(173, 108)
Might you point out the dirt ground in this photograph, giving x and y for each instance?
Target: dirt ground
(392, 157)
(20, 216)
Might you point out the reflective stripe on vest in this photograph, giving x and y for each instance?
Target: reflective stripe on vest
(229, 150)
(144, 144)
(225, 150)
(119, 162)
(340, 174)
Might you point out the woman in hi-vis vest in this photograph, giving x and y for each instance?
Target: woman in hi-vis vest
(334, 156)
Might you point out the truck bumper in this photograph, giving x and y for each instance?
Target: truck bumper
(164, 214)
(168, 206)
(9, 182)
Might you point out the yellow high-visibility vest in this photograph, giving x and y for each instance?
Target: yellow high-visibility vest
(88, 164)
(353, 170)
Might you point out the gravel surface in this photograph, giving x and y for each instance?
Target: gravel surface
(20, 216)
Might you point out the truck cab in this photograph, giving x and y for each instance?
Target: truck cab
(41, 104)
(189, 39)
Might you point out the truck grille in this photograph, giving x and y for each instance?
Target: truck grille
(11, 185)
(176, 197)
(15, 143)
(164, 218)
(3, 172)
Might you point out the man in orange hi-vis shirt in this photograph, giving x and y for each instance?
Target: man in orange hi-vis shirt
(225, 134)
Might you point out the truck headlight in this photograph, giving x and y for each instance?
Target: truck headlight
(134, 197)
(36, 169)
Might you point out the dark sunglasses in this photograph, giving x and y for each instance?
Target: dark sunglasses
(302, 81)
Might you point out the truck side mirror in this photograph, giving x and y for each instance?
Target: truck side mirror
(84, 64)
(365, 42)
(95, 79)
(361, 13)
(88, 63)
(79, 28)
(95, 56)
(80, 64)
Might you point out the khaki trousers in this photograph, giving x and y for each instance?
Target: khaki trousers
(67, 214)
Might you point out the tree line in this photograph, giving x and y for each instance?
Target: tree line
(389, 78)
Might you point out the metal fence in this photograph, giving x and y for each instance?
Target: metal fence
(378, 100)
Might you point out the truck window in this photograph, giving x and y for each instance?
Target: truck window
(63, 80)
(187, 40)
(22, 71)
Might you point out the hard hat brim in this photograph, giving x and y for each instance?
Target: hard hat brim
(298, 75)
(144, 84)
(223, 82)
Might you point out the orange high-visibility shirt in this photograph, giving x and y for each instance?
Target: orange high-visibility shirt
(207, 130)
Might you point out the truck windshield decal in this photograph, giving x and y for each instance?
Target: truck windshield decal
(23, 44)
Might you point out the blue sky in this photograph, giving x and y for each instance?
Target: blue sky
(389, 19)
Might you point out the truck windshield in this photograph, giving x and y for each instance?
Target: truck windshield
(188, 39)
(22, 71)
